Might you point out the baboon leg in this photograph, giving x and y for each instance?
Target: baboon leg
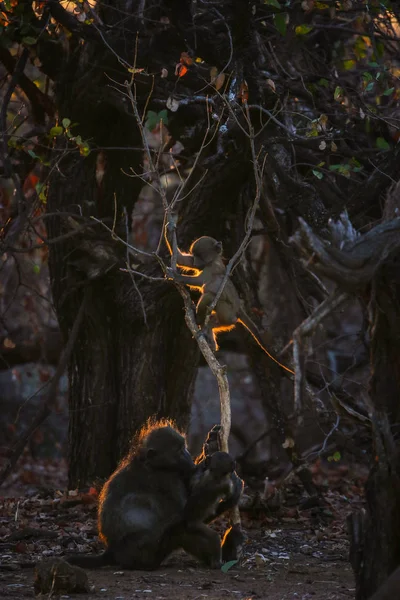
(232, 543)
(203, 543)
(134, 553)
(201, 313)
(201, 308)
(227, 316)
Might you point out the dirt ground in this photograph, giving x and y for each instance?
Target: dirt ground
(293, 552)
(292, 570)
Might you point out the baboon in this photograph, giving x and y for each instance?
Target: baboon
(205, 257)
(141, 516)
(210, 484)
(215, 489)
(222, 463)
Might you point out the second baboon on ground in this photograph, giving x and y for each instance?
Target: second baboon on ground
(209, 486)
(217, 482)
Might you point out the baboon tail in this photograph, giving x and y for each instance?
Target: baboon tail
(91, 561)
(251, 327)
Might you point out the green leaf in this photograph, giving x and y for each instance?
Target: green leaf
(151, 120)
(303, 29)
(342, 169)
(163, 115)
(32, 154)
(36, 269)
(337, 456)
(280, 23)
(380, 49)
(55, 131)
(66, 123)
(41, 190)
(373, 64)
(382, 144)
(84, 150)
(272, 3)
(29, 40)
(370, 86)
(317, 174)
(323, 82)
(388, 91)
(338, 92)
(228, 565)
(349, 64)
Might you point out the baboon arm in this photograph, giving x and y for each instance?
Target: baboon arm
(192, 280)
(197, 504)
(184, 260)
(230, 500)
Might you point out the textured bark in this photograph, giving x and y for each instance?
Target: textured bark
(378, 546)
(390, 589)
(123, 371)
(369, 265)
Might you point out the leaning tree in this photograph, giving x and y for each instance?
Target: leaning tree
(266, 112)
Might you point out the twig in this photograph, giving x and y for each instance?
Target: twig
(328, 435)
(304, 330)
(253, 444)
(234, 261)
(131, 272)
(160, 189)
(116, 237)
(144, 275)
(46, 241)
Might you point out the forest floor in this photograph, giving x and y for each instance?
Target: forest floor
(295, 550)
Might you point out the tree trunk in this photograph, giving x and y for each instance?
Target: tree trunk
(375, 549)
(126, 367)
(122, 371)
(368, 265)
